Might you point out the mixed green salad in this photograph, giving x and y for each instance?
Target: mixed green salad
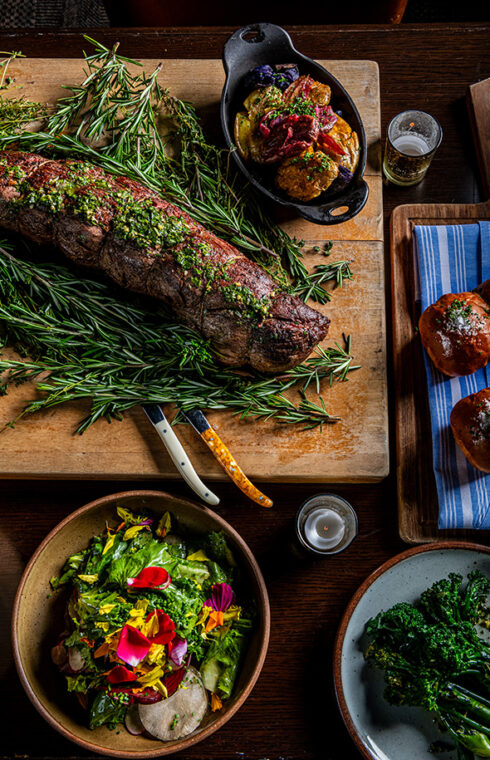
(155, 635)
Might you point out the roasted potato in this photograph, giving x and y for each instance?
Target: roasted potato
(306, 176)
(343, 134)
(320, 93)
(261, 101)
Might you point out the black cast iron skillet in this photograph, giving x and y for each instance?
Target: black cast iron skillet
(258, 44)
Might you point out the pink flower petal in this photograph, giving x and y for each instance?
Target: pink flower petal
(166, 629)
(150, 577)
(221, 597)
(177, 650)
(120, 674)
(133, 646)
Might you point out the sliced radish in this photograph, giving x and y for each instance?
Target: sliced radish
(75, 660)
(132, 721)
(59, 654)
(180, 714)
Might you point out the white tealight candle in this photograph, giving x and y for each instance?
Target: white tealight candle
(324, 529)
(411, 145)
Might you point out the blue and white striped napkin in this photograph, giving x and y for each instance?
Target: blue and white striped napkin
(454, 259)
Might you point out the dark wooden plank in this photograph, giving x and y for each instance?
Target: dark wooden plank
(286, 716)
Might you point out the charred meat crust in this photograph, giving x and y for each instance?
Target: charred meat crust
(209, 284)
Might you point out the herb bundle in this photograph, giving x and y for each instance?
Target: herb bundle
(84, 342)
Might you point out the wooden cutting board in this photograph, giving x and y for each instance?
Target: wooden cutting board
(418, 505)
(355, 449)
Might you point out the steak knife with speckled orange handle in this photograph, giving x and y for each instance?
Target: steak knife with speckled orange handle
(224, 457)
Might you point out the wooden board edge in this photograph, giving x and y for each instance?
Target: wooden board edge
(75, 475)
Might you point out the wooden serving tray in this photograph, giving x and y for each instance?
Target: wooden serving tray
(417, 496)
(355, 449)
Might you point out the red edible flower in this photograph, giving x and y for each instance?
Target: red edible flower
(150, 577)
(173, 680)
(133, 646)
(120, 674)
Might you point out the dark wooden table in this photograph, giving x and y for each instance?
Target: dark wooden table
(292, 711)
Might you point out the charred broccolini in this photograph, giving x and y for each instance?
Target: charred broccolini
(434, 656)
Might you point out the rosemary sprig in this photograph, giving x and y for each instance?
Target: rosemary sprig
(86, 343)
(312, 286)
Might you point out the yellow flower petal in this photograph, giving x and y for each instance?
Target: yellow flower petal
(151, 626)
(132, 532)
(89, 578)
(152, 677)
(106, 608)
(233, 613)
(128, 516)
(164, 525)
(108, 544)
(104, 626)
(156, 655)
(199, 556)
(161, 689)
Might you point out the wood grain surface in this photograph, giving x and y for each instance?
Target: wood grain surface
(354, 449)
(292, 712)
(417, 496)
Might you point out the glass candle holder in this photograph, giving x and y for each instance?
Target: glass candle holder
(325, 524)
(412, 140)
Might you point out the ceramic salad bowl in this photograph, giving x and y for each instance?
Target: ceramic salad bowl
(38, 620)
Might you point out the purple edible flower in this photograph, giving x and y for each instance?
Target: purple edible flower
(178, 650)
(221, 597)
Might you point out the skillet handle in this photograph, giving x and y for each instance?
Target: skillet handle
(354, 200)
(255, 39)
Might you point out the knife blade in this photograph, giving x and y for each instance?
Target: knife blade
(177, 453)
(224, 457)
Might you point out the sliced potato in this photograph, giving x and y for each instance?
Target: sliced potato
(261, 101)
(320, 93)
(348, 139)
(243, 134)
(180, 714)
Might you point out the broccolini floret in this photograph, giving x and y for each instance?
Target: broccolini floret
(433, 657)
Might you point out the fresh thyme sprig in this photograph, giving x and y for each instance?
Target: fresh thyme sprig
(87, 343)
(6, 81)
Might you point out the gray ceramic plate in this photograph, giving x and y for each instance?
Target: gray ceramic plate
(383, 732)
